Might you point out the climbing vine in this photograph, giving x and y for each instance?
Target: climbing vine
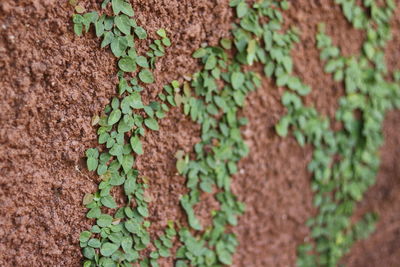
(344, 162)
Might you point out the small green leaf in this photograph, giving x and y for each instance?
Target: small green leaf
(211, 62)
(94, 213)
(88, 253)
(123, 24)
(152, 124)
(92, 152)
(132, 226)
(162, 33)
(130, 185)
(126, 243)
(92, 163)
(142, 62)
(282, 127)
(225, 257)
(237, 80)
(104, 220)
(136, 145)
(78, 27)
(114, 117)
(80, 9)
(88, 198)
(127, 9)
(226, 43)
(84, 236)
(135, 100)
(119, 45)
(180, 165)
(199, 53)
(109, 202)
(146, 76)
(107, 249)
(107, 39)
(117, 6)
(166, 41)
(127, 64)
(94, 243)
(127, 163)
(241, 9)
(141, 33)
(101, 169)
(143, 211)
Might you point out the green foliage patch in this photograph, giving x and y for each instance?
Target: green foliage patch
(339, 184)
(344, 162)
(120, 232)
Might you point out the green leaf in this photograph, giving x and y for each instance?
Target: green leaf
(142, 62)
(89, 253)
(107, 249)
(130, 186)
(199, 53)
(88, 198)
(127, 163)
(101, 169)
(89, 18)
(105, 3)
(127, 64)
(132, 226)
(285, 5)
(162, 33)
(108, 39)
(143, 211)
(241, 9)
(226, 43)
(114, 117)
(126, 243)
(94, 213)
(104, 220)
(109, 202)
(123, 24)
(237, 80)
(92, 153)
(115, 103)
(225, 257)
(152, 124)
(369, 50)
(127, 9)
(119, 45)
(84, 236)
(92, 163)
(135, 100)
(166, 41)
(282, 127)
(132, 255)
(136, 145)
(94, 243)
(116, 150)
(146, 76)
(78, 27)
(117, 6)
(99, 27)
(117, 180)
(140, 32)
(180, 165)
(211, 62)
(282, 80)
(76, 18)
(193, 221)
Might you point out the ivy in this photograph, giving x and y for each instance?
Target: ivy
(344, 162)
(121, 233)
